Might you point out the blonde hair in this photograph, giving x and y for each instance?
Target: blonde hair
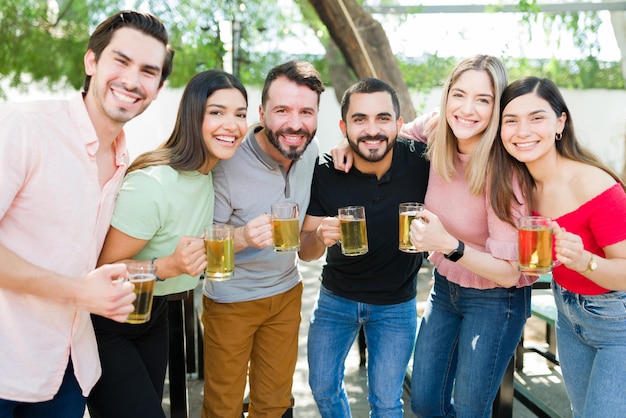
(442, 144)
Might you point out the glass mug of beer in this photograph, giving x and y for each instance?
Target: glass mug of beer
(407, 212)
(353, 230)
(219, 244)
(535, 245)
(143, 278)
(286, 227)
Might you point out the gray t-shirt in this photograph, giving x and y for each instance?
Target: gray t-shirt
(245, 187)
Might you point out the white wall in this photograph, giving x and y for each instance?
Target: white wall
(599, 118)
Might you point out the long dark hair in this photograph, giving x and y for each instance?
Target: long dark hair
(185, 149)
(509, 169)
(143, 22)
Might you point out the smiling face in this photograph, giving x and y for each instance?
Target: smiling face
(289, 118)
(224, 124)
(469, 107)
(371, 125)
(529, 126)
(125, 79)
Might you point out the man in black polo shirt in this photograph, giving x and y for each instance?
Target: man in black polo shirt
(376, 290)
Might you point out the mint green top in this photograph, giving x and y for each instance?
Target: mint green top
(160, 204)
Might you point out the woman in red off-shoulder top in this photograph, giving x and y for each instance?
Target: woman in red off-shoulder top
(587, 202)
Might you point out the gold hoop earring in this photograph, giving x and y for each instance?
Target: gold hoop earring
(558, 136)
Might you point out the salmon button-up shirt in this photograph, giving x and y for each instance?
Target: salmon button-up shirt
(54, 214)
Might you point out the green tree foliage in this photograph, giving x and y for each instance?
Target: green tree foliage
(45, 43)
(45, 40)
(42, 44)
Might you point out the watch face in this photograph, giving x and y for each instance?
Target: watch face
(457, 253)
(454, 255)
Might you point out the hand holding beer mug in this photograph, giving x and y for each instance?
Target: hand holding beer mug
(407, 212)
(535, 245)
(353, 230)
(286, 227)
(219, 243)
(143, 278)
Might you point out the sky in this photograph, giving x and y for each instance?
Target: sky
(460, 35)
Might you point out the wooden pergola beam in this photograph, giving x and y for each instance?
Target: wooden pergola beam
(580, 6)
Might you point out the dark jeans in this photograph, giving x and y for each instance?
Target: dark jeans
(134, 361)
(69, 402)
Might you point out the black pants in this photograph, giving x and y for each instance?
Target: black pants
(134, 362)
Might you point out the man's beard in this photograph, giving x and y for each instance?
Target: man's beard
(290, 152)
(373, 155)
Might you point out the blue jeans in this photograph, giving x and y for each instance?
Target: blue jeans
(591, 337)
(465, 341)
(69, 402)
(390, 335)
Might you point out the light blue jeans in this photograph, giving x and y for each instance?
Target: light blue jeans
(465, 341)
(390, 335)
(591, 342)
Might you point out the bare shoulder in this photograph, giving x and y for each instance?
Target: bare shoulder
(589, 181)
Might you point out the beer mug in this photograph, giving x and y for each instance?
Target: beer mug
(219, 244)
(143, 278)
(353, 230)
(407, 212)
(286, 227)
(535, 245)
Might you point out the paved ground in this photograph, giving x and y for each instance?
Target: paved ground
(542, 380)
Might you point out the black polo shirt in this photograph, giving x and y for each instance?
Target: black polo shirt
(385, 275)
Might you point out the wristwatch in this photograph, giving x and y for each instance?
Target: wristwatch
(592, 266)
(457, 253)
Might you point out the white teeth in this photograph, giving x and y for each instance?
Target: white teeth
(525, 144)
(465, 121)
(123, 98)
(225, 138)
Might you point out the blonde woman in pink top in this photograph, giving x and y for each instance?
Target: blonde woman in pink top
(61, 165)
(479, 303)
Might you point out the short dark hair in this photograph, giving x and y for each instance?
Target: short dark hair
(300, 72)
(369, 85)
(143, 22)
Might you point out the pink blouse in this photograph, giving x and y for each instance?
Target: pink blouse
(467, 217)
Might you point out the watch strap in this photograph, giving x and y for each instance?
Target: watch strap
(457, 253)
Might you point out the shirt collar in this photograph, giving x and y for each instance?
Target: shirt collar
(87, 132)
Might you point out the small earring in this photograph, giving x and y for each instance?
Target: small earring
(558, 136)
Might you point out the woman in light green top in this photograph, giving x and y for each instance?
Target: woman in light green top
(163, 206)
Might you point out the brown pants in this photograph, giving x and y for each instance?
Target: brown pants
(263, 333)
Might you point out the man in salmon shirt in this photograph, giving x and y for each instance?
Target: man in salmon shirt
(61, 165)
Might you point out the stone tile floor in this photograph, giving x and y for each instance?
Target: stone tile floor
(543, 380)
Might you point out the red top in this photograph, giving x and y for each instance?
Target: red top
(600, 222)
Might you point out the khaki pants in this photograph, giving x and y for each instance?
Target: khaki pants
(262, 332)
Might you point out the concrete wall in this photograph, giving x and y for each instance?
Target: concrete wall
(599, 117)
